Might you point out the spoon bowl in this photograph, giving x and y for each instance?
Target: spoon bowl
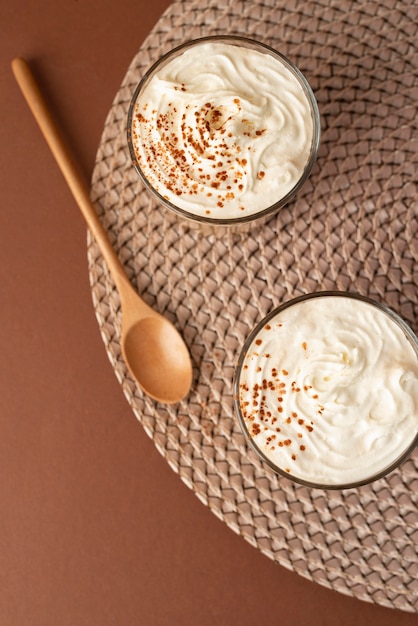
(152, 340)
(154, 351)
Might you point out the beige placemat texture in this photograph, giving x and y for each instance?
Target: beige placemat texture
(352, 227)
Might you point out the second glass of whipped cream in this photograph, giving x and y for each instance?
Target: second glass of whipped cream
(223, 130)
(326, 390)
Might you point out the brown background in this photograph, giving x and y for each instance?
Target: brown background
(95, 528)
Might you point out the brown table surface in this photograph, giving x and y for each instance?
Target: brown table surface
(95, 528)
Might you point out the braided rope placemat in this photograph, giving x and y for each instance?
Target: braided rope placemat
(352, 227)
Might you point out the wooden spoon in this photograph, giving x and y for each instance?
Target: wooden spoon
(152, 348)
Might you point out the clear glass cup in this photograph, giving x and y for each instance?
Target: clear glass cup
(274, 206)
(254, 419)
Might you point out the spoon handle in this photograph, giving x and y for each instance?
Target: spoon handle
(59, 149)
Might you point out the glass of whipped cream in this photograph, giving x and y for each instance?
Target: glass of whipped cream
(326, 390)
(223, 130)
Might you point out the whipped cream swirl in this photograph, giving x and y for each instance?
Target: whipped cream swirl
(329, 390)
(222, 130)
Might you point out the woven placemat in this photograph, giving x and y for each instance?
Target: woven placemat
(352, 227)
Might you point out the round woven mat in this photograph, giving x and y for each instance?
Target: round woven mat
(352, 227)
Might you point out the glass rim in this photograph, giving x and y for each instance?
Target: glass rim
(410, 335)
(316, 134)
